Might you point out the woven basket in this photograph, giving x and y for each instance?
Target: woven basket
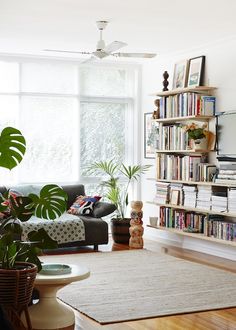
(16, 285)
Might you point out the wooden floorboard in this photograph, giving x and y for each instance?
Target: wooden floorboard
(224, 319)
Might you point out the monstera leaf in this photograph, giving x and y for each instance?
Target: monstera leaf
(51, 202)
(22, 208)
(12, 147)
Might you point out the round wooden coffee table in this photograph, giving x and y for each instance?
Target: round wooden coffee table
(50, 312)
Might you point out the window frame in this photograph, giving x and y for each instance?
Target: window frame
(133, 152)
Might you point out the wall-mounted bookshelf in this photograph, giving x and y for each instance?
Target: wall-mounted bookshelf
(178, 183)
(200, 183)
(198, 89)
(193, 235)
(194, 209)
(184, 118)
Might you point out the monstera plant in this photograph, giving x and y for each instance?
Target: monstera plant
(49, 204)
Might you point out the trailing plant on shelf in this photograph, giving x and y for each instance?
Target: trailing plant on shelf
(14, 209)
(119, 178)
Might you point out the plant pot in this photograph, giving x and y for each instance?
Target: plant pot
(120, 230)
(16, 286)
(200, 144)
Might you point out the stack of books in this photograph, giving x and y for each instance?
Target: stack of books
(219, 201)
(204, 196)
(162, 193)
(232, 200)
(227, 173)
(190, 195)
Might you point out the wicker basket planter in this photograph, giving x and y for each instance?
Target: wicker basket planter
(16, 286)
(120, 230)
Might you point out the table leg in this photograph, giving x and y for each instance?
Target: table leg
(49, 312)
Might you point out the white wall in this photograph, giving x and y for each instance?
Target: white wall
(220, 71)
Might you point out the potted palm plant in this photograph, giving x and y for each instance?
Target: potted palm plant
(18, 260)
(119, 178)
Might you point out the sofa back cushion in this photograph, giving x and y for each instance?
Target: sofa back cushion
(73, 191)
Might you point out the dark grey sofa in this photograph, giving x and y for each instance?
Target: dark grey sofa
(96, 229)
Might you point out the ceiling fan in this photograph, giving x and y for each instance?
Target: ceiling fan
(103, 50)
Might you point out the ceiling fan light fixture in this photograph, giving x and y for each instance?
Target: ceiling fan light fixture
(99, 54)
(101, 24)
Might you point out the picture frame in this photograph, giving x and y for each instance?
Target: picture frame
(174, 198)
(196, 71)
(180, 74)
(151, 135)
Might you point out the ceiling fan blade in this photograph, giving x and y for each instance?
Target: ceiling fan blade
(138, 55)
(66, 51)
(115, 45)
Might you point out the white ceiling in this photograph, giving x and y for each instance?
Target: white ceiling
(29, 26)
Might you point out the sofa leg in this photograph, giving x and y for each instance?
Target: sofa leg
(95, 247)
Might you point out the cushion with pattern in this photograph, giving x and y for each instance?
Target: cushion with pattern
(84, 205)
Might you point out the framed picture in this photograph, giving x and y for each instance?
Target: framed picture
(180, 74)
(151, 136)
(174, 198)
(196, 70)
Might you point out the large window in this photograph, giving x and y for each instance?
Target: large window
(70, 116)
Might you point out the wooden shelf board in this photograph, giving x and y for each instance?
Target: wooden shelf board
(198, 89)
(200, 151)
(194, 209)
(199, 183)
(175, 119)
(199, 236)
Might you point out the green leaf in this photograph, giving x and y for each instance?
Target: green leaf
(20, 207)
(107, 167)
(41, 239)
(134, 172)
(12, 147)
(13, 226)
(51, 203)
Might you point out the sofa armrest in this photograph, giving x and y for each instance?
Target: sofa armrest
(101, 209)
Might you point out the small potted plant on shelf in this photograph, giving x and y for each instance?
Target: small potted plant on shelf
(18, 260)
(197, 136)
(119, 178)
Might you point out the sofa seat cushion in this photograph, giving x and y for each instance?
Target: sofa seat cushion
(67, 228)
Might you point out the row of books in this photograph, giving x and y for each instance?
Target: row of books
(173, 137)
(217, 228)
(212, 226)
(202, 197)
(180, 219)
(186, 168)
(187, 104)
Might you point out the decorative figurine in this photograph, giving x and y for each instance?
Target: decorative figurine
(165, 81)
(136, 228)
(156, 113)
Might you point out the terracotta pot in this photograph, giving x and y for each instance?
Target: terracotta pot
(120, 230)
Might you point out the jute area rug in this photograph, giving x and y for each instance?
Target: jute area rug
(137, 284)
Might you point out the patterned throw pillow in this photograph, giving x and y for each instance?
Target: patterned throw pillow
(84, 205)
